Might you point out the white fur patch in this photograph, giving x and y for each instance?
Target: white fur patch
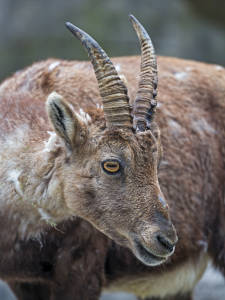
(45, 216)
(50, 144)
(118, 67)
(13, 176)
(189, 69)
(53, 65)
(99, 106)
(180, 280)
(175, 127)
(180, 75)
(219, 68)
(159, 104)
(122, 76)
(202, 126)
(17, 138)
(164, 163)
(174, 124)
(83, 116)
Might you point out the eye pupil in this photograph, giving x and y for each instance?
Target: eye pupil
(111, 167)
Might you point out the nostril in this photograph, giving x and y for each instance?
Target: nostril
(164, 242)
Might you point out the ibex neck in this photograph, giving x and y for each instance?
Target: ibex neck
(35, 193)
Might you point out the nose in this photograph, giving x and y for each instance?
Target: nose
(167, 243)
(160, 239)
(166, 235)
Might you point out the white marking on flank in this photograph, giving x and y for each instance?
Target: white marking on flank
(202, 126)
(53, 65)
(176, 128)
(189, 69)
(180, 75)
(219, 68)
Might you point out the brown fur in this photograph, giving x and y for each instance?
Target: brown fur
(192, 124)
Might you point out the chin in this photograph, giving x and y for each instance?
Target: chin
(146, 256)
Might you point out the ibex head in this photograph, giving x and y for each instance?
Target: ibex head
(110, 174)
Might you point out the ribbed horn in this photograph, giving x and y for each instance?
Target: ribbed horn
(112, 89)
(145, 102)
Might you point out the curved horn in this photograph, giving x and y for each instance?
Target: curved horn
(112, 89)
(145, 102)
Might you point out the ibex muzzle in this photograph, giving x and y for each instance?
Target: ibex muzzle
(111, 174)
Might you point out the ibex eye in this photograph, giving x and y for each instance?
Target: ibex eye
(111, 166)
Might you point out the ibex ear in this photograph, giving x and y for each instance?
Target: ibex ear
(64, 121)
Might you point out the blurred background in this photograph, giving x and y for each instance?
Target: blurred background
(34, 30)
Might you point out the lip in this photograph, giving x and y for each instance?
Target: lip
(146, 256)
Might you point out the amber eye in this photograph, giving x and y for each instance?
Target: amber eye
(111, 166)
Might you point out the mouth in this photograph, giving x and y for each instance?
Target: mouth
(146, 256)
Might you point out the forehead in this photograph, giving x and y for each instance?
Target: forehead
(126, 143)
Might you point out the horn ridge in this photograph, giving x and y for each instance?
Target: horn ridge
(145, 102)
(112, 89)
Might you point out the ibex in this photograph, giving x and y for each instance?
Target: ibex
(83, 210)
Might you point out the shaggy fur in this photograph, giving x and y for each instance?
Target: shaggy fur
(76, 261)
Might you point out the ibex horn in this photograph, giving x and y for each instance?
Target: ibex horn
(112, 89)
(145, 102)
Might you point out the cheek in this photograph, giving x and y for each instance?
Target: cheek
(90, 195)
(85, 202)
(78, 194)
